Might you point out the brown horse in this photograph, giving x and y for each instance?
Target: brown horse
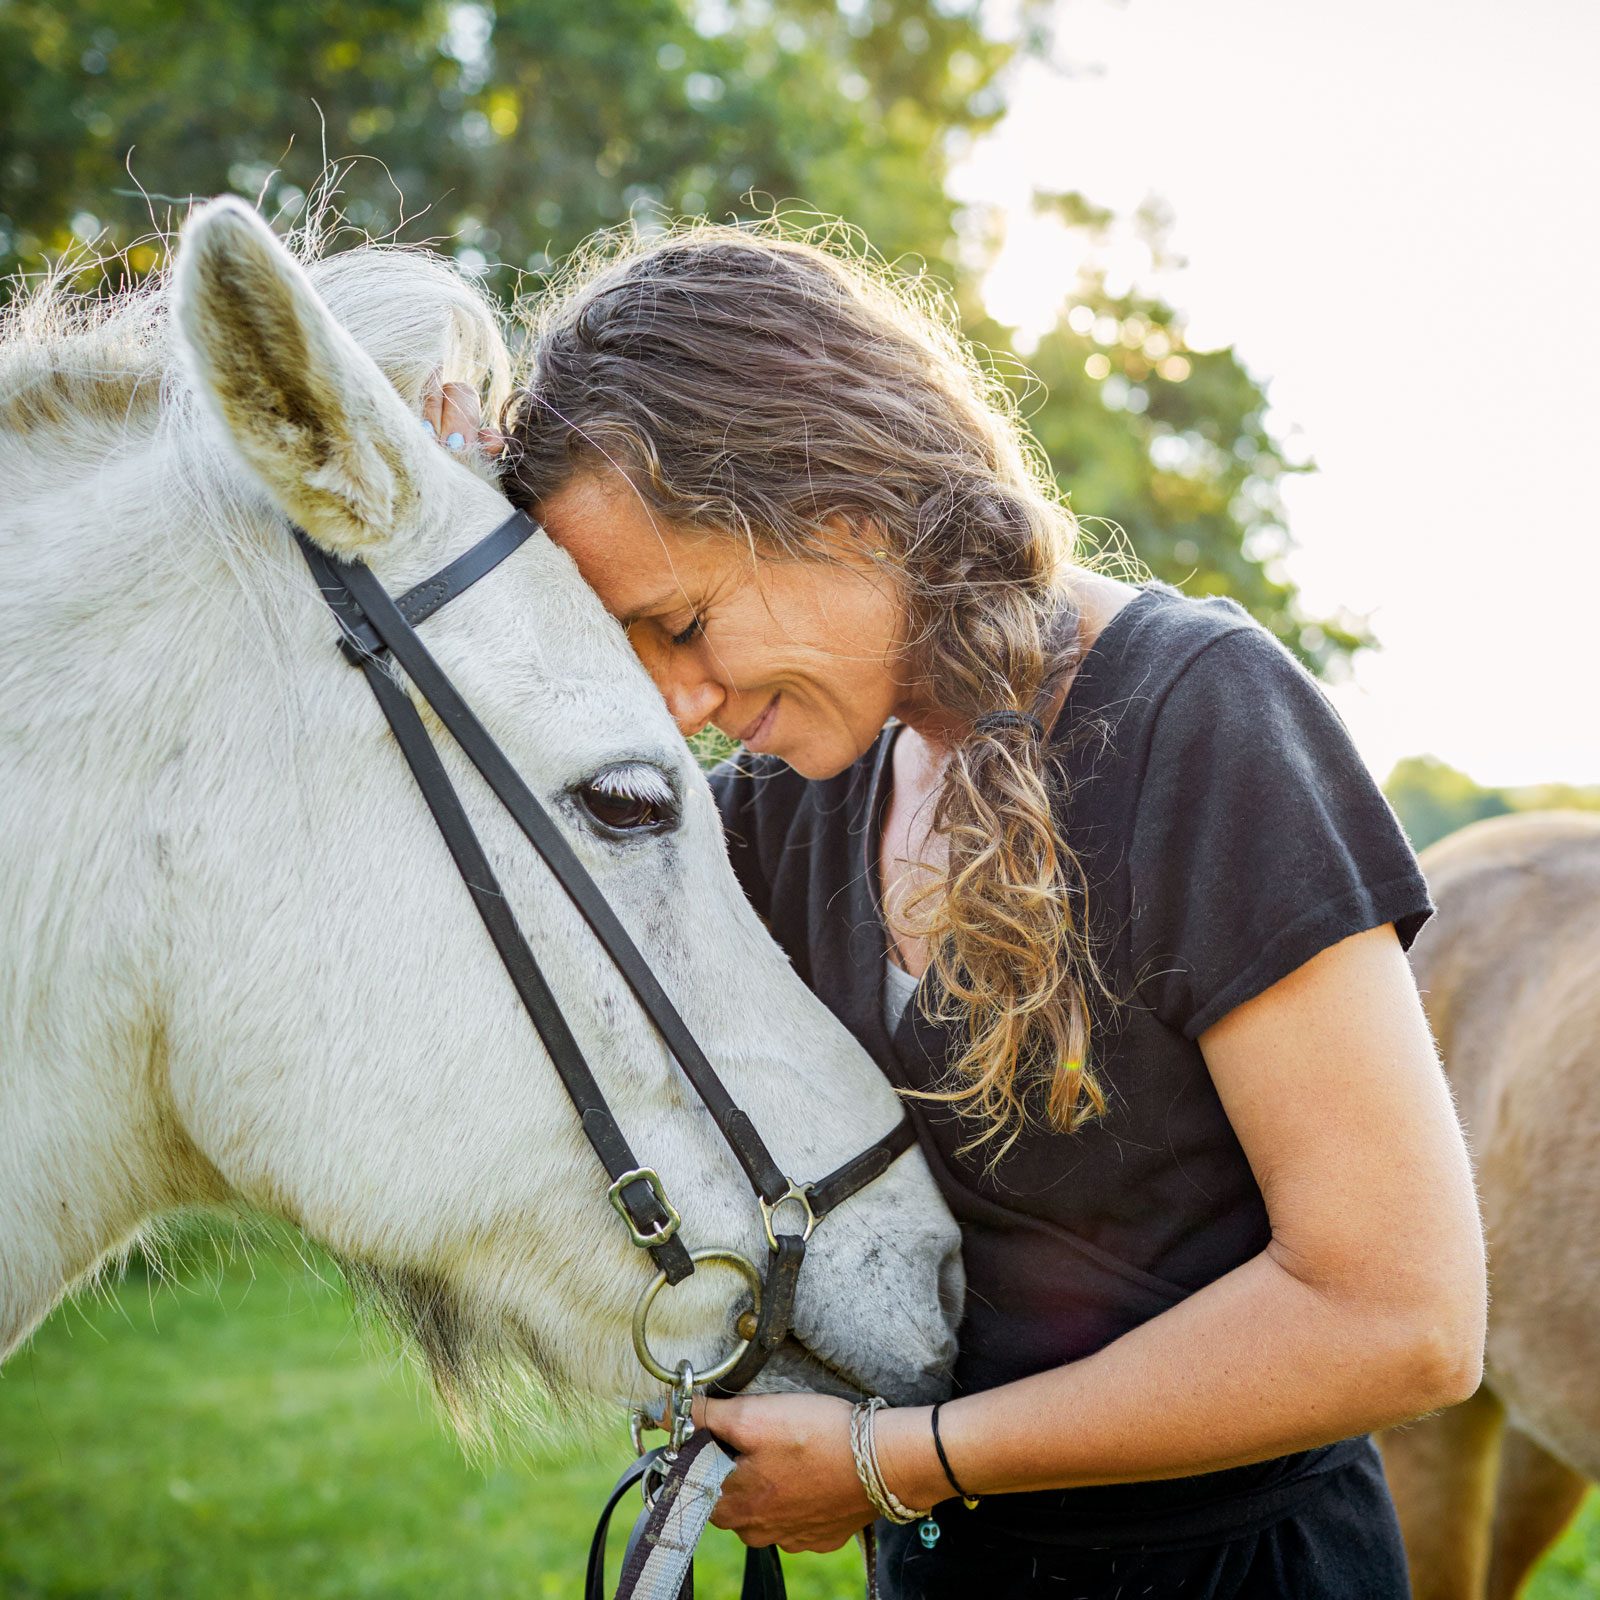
(1510, 973)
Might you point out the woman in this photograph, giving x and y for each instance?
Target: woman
(1095, 874)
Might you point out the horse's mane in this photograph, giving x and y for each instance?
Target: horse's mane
(80, 367)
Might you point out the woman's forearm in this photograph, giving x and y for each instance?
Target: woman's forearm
(1255, 1365)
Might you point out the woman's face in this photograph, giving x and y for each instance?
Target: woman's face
(799, 658)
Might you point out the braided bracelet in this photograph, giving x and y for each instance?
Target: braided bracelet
(864, 1450)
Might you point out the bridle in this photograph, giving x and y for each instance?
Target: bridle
(374, 624)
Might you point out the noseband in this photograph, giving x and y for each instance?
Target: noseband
(374, 624)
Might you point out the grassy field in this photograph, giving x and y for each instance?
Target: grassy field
(231, 1435)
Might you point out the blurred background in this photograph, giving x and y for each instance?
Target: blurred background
(1298, 302)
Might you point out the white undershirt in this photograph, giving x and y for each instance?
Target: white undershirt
(898, 988)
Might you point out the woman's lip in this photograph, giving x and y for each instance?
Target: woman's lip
(762, 723)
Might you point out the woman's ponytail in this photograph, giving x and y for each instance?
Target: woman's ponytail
(1005, 923)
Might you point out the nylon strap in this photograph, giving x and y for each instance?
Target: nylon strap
(659, 1563)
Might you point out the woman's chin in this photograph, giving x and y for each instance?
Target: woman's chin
(812, 764)
(819, 755)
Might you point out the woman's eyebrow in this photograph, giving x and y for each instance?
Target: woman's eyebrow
(667, 600)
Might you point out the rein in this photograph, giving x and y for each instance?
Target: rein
(373, 624)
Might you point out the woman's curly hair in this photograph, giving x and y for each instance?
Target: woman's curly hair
(763, 381)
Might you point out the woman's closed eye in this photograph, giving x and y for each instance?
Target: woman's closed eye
(691, 633)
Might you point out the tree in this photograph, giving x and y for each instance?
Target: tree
(1433, 799)
(519, 128)
(523, 126)
(1167, 443)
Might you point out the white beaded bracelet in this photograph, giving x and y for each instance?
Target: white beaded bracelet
(864, 1449)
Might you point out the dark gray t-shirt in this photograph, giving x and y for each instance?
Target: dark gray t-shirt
(1229, 831)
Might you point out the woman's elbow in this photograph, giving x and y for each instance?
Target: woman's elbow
(1447, 1366)
(1441, 1348)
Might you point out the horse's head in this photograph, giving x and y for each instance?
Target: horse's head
(284, 993)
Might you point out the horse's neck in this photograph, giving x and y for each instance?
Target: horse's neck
(100, 695)
(86, 1158)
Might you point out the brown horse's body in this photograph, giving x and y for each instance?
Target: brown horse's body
(1510, 973)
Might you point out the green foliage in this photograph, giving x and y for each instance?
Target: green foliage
(522, 127)
(710, 746)
(518, 129)
(1432, 798)
(1166, 443)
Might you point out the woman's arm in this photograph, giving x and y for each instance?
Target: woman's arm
(1366, 1308)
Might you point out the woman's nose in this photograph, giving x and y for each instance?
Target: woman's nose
(692, 704)
(691, 696)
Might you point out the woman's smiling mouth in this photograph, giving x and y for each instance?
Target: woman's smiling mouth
(751, 736)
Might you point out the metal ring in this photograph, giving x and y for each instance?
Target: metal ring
(641, 1316)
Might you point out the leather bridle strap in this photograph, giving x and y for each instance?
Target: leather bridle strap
(408, 649)
(859, 1171)
(420, 602)
(373, 624)
(646, 1211)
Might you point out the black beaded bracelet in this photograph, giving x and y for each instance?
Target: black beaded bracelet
(968, 1500)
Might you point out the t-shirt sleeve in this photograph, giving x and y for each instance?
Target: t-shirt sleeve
(1260, 837)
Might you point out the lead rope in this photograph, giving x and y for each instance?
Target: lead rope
(659, 1563)
(681, 1481)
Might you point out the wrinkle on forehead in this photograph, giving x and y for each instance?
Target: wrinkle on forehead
(638, 561)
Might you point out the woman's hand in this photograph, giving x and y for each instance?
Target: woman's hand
(795, 1485)
(450, 413)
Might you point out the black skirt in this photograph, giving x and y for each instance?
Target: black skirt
(1332, 1536)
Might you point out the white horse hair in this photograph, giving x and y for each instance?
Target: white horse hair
(238, 965)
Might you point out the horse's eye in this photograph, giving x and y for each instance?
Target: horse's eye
(634, 798)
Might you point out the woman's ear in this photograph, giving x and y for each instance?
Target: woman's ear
(303, 404)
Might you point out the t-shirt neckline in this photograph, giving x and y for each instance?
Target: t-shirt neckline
(878, 792)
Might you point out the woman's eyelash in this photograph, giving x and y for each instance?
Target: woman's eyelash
(688, 633)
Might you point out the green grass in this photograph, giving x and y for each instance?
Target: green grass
(231, 1435)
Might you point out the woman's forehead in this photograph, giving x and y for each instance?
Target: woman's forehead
(638, 561)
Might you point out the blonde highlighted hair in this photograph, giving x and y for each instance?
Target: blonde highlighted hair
(763, 380)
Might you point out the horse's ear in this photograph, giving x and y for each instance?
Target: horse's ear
(305, 406)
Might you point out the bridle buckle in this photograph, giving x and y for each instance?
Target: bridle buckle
(800, 1194)
(660, 1235)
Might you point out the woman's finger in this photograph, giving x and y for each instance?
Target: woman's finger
(459, 417)
(722, 1418)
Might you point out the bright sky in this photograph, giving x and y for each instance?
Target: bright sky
(1393, 210)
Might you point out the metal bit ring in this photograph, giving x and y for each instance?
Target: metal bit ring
(641, 1317)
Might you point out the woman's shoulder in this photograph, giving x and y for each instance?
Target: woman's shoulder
(1164, 657)
(1160, 633)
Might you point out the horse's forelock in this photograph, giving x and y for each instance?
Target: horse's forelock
(79, 368)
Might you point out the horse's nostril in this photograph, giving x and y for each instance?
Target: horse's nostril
(952, 1285)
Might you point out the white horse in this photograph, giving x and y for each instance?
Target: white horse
(238, 965)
